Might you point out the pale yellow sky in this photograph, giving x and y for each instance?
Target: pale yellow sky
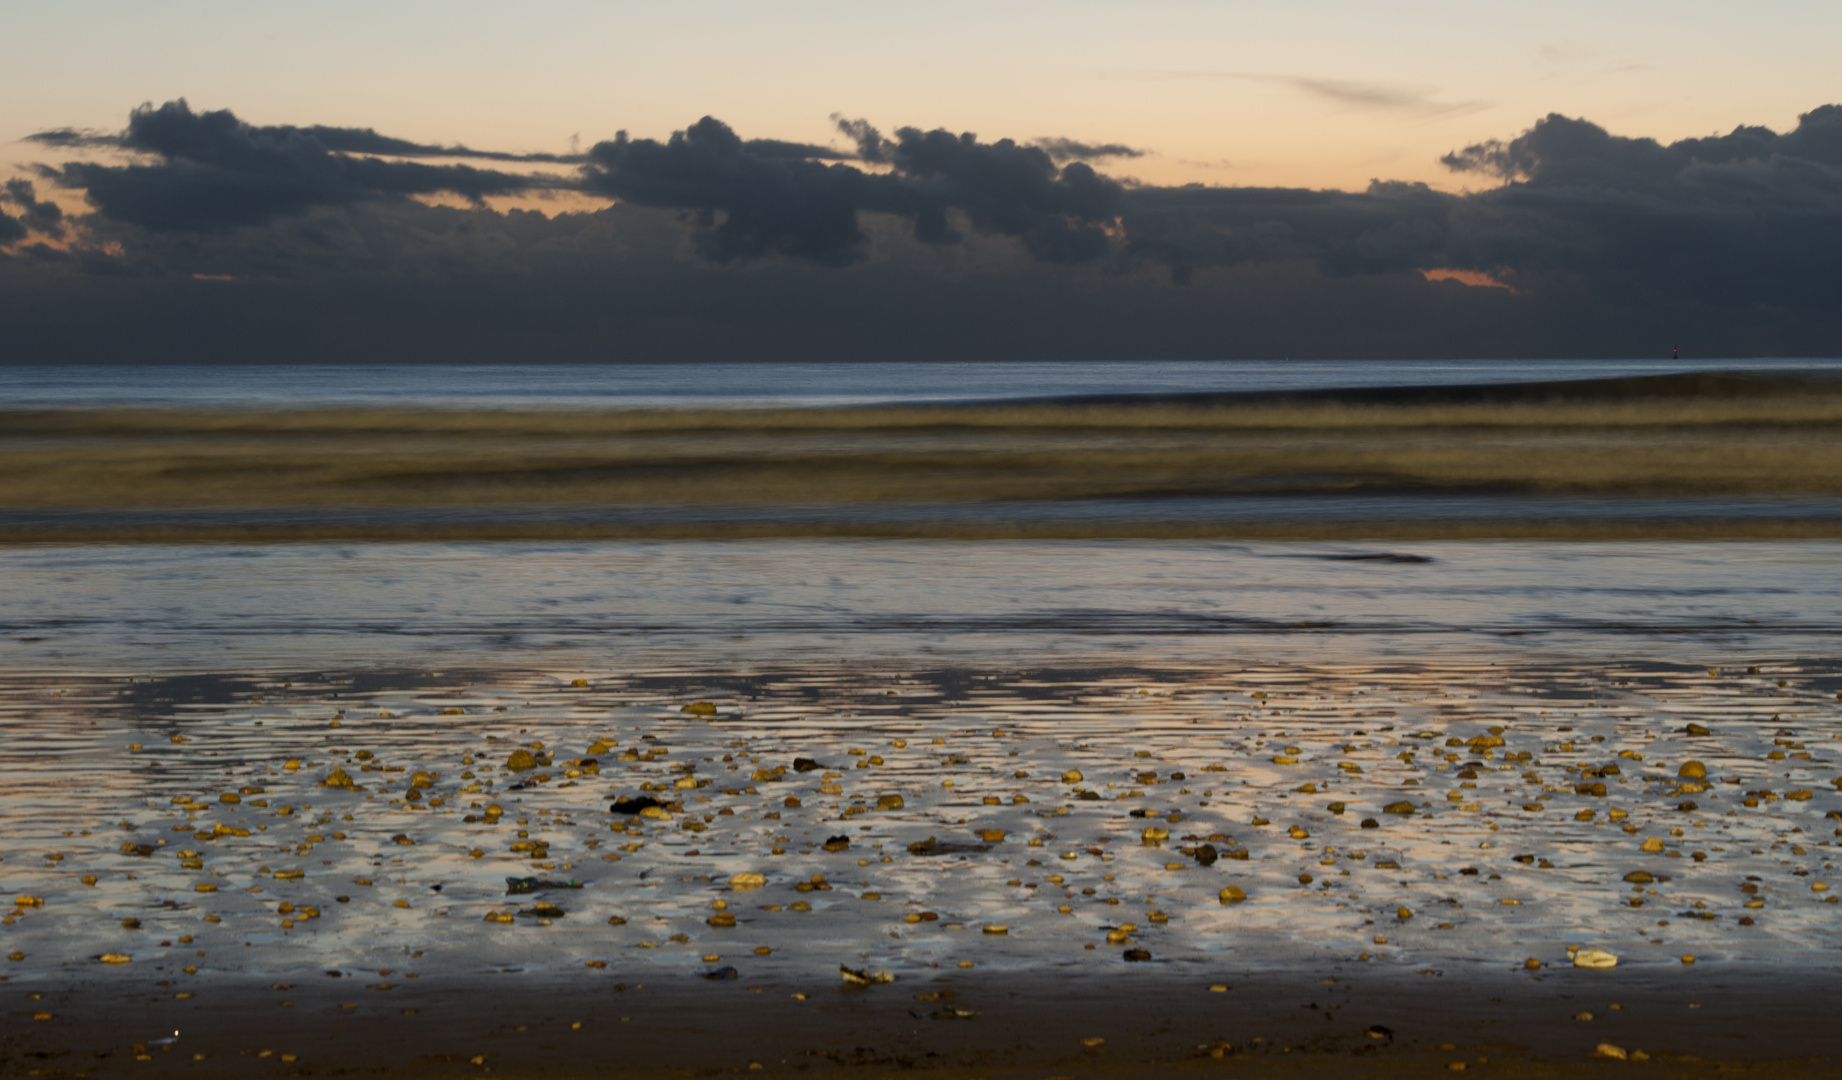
(1325, 94)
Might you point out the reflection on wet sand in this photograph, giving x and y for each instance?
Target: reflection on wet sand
(1236, 816)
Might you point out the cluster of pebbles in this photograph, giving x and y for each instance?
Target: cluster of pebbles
(785, 824)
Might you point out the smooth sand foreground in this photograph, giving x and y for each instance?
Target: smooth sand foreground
(1147, 1020)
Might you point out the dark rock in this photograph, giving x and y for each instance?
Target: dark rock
(634, 805)
(520, 886)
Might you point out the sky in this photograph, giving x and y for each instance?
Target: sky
(1208, 179)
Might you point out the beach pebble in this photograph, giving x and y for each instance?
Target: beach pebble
(1607, 1050)
(1595, 958)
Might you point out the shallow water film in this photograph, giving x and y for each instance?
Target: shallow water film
(539, 759)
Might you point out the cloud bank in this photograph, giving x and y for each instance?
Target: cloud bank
(201, 230)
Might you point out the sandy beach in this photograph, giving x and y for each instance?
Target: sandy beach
(1681, 456)
(1062, 854)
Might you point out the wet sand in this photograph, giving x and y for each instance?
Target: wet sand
(1423, 846)
(1308, 1023)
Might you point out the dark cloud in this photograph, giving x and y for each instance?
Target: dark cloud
(368, 141)
(1560, 151)
(924, 243)
(1060, 213)
(1061, 150)
(748, 198)
(1751, 217)
(35, 214)
(337, 139)
(211, 170)
(1390, 228)
(67, 138)
(753, 198)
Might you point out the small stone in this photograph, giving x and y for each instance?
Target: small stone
(1072, 776)
(1232, 895)
(699, 708)
(1640, 877)
(1692, 770)
(521, 761)
(1651, 845)
(115, 958)
(747, 879)
(1607, 1050)
(889, 802)
(1402, 807)
(1595, 958)
(1152, 834)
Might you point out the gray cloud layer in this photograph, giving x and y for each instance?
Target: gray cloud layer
(918, 240)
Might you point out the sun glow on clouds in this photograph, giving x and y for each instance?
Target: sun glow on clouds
(1475, 278)
(548, 203)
